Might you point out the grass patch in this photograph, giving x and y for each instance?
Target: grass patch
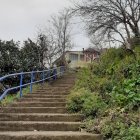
(11, 98)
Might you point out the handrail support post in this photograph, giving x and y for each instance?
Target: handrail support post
(31, 85)
(21, 82)
(43, 77)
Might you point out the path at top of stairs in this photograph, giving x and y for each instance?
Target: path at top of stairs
(42, 115)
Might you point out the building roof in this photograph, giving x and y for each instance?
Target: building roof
(92, 50)
(73, 51)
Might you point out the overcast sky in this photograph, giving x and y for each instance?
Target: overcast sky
(19, 19)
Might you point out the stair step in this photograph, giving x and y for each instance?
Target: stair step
(63, 81)
(39, 104)
(42, 100)
(39, 126)
(70, 80)
(34, 110)
(52, 93)
(50, 135)
(45, 96)
(40, 117)
(55, 87)
(62, 85)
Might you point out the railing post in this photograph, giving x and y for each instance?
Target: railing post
(21, 82)
(32, 78)
(54, 73)
(61, 70)
(43, 78)
(65, 69)
(48, 74)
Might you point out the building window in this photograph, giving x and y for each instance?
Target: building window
(74, 57)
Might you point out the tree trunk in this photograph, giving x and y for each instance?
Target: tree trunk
(137, 31)
(128, 41)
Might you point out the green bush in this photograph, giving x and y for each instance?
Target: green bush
(126, 68)
(103, 85)
(115, 125)
(120, 127)
(127, 95)
(94, 106)
(85, 79)
(110, 59)
(108, 94)
(85, 102)
(76, 99)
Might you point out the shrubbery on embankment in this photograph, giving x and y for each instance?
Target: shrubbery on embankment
(108, 94)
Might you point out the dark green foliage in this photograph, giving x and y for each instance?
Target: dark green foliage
(29, 56)
(76, 100)
(15, 60)
(90, 104)
(83, 78)
(94, 106)
(9, 61)
(9, 57)
(127, 94)
(90, 81)
(115, 126)
(121, 127)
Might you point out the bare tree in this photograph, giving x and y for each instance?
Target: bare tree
(111, 17)
(42, 48)
(52, 52)
(55, 38)
(62, 31)
(47, 47)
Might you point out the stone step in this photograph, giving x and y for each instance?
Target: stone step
(45, 96)
(68, 78)
(57, 83)
(53, 90)
(40, 117)
(52, 93)
(42, 100)
(33, 110)
(64, 81)
(61, 85)
(50, 135)
(54, 87)
(39, 104)
(39, 126)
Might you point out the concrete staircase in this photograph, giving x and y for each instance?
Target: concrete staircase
(42, 115)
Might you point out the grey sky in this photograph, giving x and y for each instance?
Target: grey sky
(19, 19)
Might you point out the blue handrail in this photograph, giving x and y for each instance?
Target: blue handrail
(45, 75)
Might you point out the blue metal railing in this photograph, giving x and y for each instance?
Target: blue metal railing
(44, 75)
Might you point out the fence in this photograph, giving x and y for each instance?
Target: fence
(35, 77)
